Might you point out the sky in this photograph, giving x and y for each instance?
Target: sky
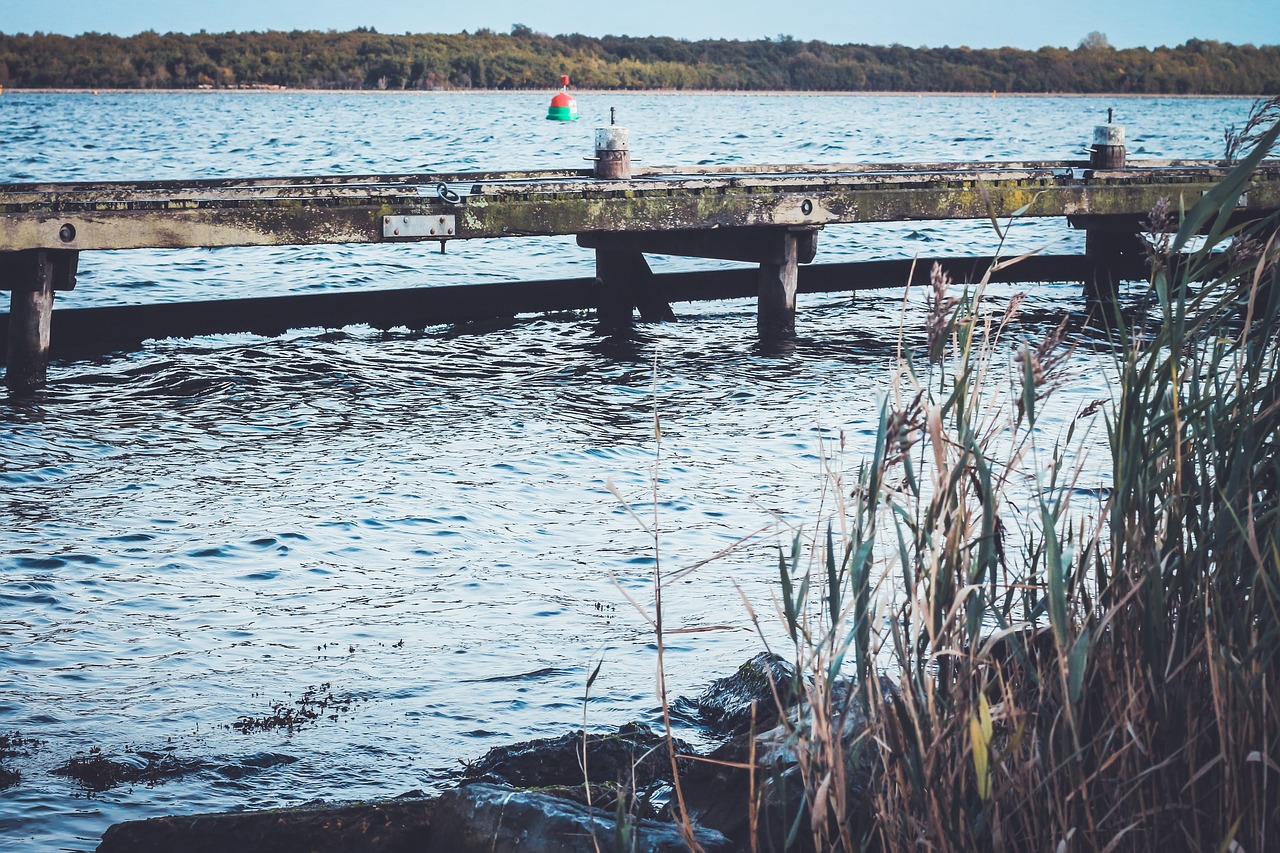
(915, 23)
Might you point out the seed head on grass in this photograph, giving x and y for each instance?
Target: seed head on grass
(903, 429)
(1113, 684)
(1262, 116)
(1245, 252)
(941, 309)
(1161, 224)
(1040, 366)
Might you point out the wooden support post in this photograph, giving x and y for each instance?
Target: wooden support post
(776, 302)
(625, 281)
(626, 278)
(1113, 255)
(32, 276)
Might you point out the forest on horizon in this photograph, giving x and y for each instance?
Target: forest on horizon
(524, 59)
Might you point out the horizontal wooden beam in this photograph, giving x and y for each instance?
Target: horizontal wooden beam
(84, 330)
(752, 245)
(970, 165)
(19, 270)
(201, 187)
(89, 217)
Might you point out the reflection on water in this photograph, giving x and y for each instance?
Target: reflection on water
(199, 529)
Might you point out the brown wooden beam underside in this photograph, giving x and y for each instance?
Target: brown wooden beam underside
(26, 269)
(752, 245)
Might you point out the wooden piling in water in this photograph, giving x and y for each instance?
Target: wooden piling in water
(32, 277)
(625, 282)
(776, 301)
(1113, 252)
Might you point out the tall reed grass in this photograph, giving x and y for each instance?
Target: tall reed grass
(1060, 677)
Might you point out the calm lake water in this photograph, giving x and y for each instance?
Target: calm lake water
(421, 520)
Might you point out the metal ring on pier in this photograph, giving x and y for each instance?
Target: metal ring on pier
(446, 194)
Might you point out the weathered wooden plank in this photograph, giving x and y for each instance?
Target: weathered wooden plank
(207, 227)
(75, 197)
(634, 206)
(75, 330)
(15, 196)
(969, 165)
(737, 208)
(767, 182)
(727, 244)
(202, 185)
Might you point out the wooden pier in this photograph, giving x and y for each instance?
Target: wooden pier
(765, 215)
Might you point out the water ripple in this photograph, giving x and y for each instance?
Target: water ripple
(200, 528)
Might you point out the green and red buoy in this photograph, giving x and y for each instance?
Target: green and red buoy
(563, 106)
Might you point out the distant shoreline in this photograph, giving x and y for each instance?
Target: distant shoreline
(611, 92)
(366, 60)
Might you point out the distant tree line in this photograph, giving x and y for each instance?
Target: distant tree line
(524, 59)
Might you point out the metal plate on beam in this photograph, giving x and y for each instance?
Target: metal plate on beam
(435, 226)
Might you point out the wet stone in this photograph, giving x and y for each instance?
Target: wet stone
(395, 826)
(497, 819)
(634, 755)
(535, 796)
(731, 705)
(719, 791)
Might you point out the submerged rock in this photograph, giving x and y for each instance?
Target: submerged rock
(536, 796)
(485, 818)
(395, 826)
(252, 764)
